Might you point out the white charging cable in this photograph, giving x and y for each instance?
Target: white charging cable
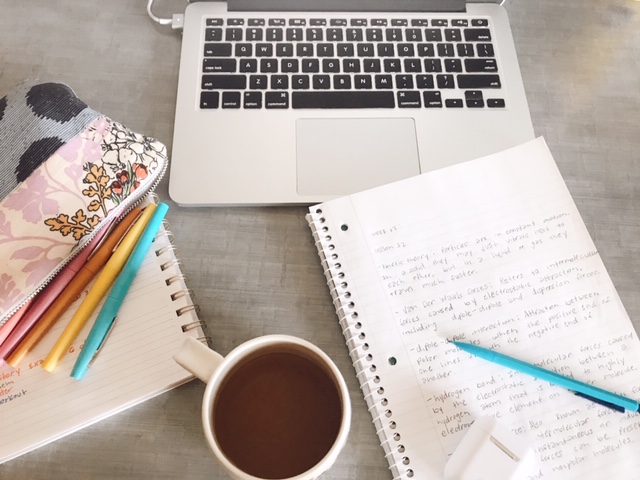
(176, 21)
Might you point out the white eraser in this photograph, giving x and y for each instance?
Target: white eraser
(489, 451)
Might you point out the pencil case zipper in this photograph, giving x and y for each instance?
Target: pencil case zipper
(133, 199)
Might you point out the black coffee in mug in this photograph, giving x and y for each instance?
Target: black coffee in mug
(277, 414)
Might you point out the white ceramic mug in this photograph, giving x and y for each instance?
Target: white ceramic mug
(259, 427)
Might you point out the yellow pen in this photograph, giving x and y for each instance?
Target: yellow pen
(107, 276)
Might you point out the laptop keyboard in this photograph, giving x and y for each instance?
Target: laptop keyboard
(338, 63)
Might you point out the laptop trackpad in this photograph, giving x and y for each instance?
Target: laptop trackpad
(344, 156)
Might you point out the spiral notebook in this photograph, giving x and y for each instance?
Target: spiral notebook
(492, 251)
(37, 407)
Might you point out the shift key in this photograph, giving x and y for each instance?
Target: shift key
(224, 82)
(473, 82)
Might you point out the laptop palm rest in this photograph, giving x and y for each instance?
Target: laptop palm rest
(344, 156)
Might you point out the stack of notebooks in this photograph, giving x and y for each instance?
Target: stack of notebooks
(136, 364)
(491, 252)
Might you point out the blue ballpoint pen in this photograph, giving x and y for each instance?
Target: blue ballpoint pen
(112, 304)
(595, 394)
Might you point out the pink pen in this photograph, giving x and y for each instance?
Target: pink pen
(45, 298)
(10, 324)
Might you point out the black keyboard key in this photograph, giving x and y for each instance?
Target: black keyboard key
(409, 99)
(433, 34)
(213, 35)
(277, 22)
(321, 82)
(224, 82)
(276, 99)
(317, 22)
(399, 22)
(474, 99)
(371, 65)
(419, 22)
(297, 22)
(264, 50)
(334, 34)
(460, 22)
(351, 65)
(325, 50)
(445, 81)
(432, 99)
(386, 50)
(465, 49)
(426, 50)
(258, 82)
(217, 49)
(474, 81)
(249, 65)
(479, 22)
(244, 50)
(362, 82)
(358, 22)
(485, 50)
(338, 22)
(233, 35)
(406, 50)
(477, 35)
(300, 82)
(413, 35)
(384, 82)
(452, 35)
(379, 22)
(392, 65)
(330, 65)
(254, 34)
(256, 22)
(279, 82)
(314, 35)
(235, 21)
(275, 34)
(355, 34)
(432, 65)
(342, 82)
(268, 65)
(439, 22)
(453, 103)
(404, 81)
(214, 22)
(424, 81)
(446, 50)
(209, 99)
(352, 99)
(345, 50)
(231, 99)
(452, 65)
(480, 65)
(310, 65)
(373, 34)
(365, 49)
(304, 49)
(412, 65)
(294, 34)
(394, 35)
(289, 65)
(211, 65)
(284, 49)
(495, 103)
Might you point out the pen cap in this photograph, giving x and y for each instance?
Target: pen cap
(489, 451)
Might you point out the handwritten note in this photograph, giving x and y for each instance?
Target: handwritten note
(491, 252)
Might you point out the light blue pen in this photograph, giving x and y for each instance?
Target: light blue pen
(595, 394)
(112, 304)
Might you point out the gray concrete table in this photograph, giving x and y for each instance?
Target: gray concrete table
(255, 270)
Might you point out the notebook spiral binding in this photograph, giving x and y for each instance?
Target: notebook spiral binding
(184, 296)
(354, 331)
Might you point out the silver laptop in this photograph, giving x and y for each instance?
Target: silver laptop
(300, 101)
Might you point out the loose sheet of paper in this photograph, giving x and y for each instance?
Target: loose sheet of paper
(493, 252)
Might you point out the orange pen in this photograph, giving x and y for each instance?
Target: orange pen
(95, 262)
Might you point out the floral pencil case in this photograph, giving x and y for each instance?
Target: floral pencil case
(65, 172)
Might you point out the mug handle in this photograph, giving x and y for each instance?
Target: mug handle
(197, 358)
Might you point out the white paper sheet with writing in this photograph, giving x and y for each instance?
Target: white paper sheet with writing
(492, 251)
(37, 407)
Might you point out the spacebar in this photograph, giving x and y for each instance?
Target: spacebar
(342, 100)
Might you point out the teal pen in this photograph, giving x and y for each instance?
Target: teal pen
(595, 394)
(112, 304)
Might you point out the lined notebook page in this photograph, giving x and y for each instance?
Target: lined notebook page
(493, 251)
(37, 407)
